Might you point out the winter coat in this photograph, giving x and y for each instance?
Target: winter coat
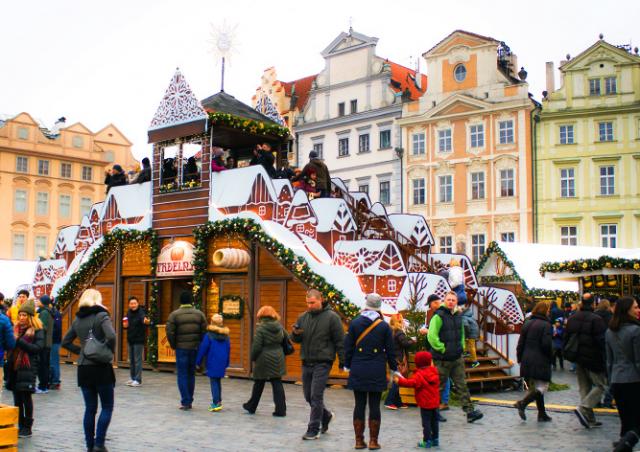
(446, 335)
(622, 346)
(534, 350)
(7, 340)
(605, 315)
(426, 382)
(115, 180)
(217, 348)
(556, 312)
(590, 329)
(143, 176)
(56, 338)
(322, 337)
(185, 328)
(267, 160)
(323, 179)
(558, 337)
(266, 350)
(24, 379)
(368, 360)
(471, 328)
(45, 316)
(456, 276)
(136, 328)
(401, 344)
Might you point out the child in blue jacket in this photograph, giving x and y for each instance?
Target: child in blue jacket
(215, 346)
(558, 337)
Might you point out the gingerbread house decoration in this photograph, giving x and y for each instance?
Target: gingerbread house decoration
(415, 233)
(418, 287)
(301, 219)
(335, 222)
(65, 246)
(127, 204)
(94, 220)
(285, 195)
(443, 261)
(376, 263)
(244, 190)
(506, 303)
(83, 239)
(47, 272)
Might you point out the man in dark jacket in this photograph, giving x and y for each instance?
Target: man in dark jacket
(320, 332)
(136, 323)
(115, 177)
(590, 362)
(56, 340)
(145, 173)
(446, 338)
(185, 328)
(44, 314)
(323, 180)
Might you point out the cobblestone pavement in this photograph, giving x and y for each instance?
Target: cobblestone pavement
(147, 419)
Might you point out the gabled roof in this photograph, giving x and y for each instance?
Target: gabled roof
(300, 88)
(232, 188)
(600, 50)
(352, 39)
(66, 237)
(226, 103)
(327, 210)
(457, 33)
(408, 224)
(133, 200)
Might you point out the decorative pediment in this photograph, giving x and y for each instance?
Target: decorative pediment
(460, 38)
(178, 106)
(600, 51)
(78, 127)
(347, 42)
(458, 104)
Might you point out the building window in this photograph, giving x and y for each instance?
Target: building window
(477, 185)
(460, 73)
(85, 206)
(385, 139)
(319, 149)
(354, 106)
(343, 147)
(20, 201)
(391, 285)
(65, 170)
(385, 192)
(446, 244)
(444, 140)
(262, 210)
(605, 131)
(417, 140)
(43, 167)
(363, 188)
(341, 109)
(40, 246)
(418, 191)
(22, 164)
(610, 86)
(77, 141)
(23, 133)
(65, 206)
(567, 183)
(363, 143)
(594, 87)
(446, 188)
(569, 235)
(18, 246)
(300, 228)
(477, 135)
(607, 180)
(508, 236)
(42, 203)
(87, 173)
(506, 131)
(609, 235)
(507, 182)
(566, 135)
(477, 246)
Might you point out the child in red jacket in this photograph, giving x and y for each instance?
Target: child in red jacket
(426, 382)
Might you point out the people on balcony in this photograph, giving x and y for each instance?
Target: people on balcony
(322, 172)
(115, 177)
(169, 172)
(191, 171)
(145, 173)
(217, 164)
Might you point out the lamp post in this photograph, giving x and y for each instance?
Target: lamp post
(400, 153)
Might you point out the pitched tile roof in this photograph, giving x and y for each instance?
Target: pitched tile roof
(402, 78)
(302, 88)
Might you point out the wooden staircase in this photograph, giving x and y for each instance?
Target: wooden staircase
(491, 374)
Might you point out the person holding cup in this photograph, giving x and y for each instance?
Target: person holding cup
(135, 323)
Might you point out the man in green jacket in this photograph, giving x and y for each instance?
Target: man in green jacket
(44, 314)
(320, 332)
(446, 337)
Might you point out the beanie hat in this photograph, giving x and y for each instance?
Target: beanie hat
(313, 155)
(45, 300)
(432, 297)
(373, 302)
(186, 297)
(423, 359)
(118, 168)
(29, 307)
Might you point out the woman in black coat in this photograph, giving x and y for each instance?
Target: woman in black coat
(22, 364)
(401, 344)
(535, 355)
(368, 348)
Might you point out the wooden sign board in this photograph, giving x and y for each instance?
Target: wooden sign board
(175, 259)
(165, 353)
(231, 307)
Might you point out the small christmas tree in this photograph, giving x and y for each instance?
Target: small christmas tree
(415, 314)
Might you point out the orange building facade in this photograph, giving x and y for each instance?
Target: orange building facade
(467, 146)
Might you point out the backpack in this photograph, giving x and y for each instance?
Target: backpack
(570, 349)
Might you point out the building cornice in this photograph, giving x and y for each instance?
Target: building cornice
(503, 106)
(591, 111)
(359, 167)
(350, 119)
(92, 160)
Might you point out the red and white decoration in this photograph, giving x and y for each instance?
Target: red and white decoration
(175, 259)
(178, 106)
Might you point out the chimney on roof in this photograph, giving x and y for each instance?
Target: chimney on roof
(550, 77)
(418, 79)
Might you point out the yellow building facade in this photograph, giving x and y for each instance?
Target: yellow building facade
(467, 146)
(49, 179)
(588, 151)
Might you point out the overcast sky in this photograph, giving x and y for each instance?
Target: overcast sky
(102, 62)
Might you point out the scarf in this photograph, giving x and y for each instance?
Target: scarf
(20, 356)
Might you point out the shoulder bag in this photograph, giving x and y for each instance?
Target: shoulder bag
(287, 346)
(96, 350)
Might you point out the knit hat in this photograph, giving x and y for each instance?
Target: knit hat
(313, 155)
(432, 297)
(186, 297)
(45, 300)
(373, 302)
(29, 307)
(118, 168)
(216, 319)
(423, 359)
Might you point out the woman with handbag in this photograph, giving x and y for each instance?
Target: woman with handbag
(401, 343)
(96, 379)
(368, 348)
(267, 353)
(22, 364)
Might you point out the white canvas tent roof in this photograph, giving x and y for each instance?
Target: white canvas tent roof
(15, 273)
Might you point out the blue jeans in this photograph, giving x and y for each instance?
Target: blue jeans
(135, 361)
(216, 390)
(186, 366)
(393, 396)
(444, 395)
(91, 394)
(54, 365)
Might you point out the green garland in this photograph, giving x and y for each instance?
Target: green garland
(254, 232)
(532, 292)
(231, 297)
(588, 265)
(152, 309)
(248, 125)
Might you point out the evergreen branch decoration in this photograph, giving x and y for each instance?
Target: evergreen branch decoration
(588, 265)
(248, 125)
(152, 309)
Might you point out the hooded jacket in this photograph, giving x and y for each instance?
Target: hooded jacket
(426, 382)
(216, 347)
(322, 337)
(534, 348)
(266, 350)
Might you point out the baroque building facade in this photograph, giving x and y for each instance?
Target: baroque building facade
(49, 179)
(588, 151)
(468, 153)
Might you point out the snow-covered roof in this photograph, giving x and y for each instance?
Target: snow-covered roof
(85, 223)
(50, 270)
(133, 200)
(15, 273)
(358, 195)
(378, 209)
(340, 184)
(406, 224)
(98, 207)
(279, 184)
(527, 257)
(367, 256)
(327, 209)
(66, 237)
(233, 187)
